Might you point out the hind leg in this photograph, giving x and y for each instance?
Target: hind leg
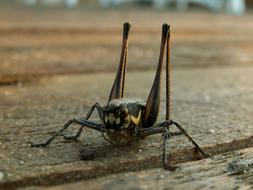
(117, 90)
(153, 102)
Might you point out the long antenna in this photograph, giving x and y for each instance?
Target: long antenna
(168, 67)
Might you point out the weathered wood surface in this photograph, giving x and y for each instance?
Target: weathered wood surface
(35, 44)
(228, 171)
(212, 97)
(217, 113)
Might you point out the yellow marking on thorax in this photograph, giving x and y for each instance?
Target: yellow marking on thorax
(136, 120)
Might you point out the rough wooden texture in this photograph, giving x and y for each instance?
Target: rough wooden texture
(38, 43)
(228, 171)
(217, 113)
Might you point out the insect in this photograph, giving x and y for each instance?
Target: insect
(124, 120)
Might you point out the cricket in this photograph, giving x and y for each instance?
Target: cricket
(124, 120)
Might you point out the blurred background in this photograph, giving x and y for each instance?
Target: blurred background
(229, 6)
(48, 37)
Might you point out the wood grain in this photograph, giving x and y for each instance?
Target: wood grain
(217, 113)
(35, 44)
(229, 171)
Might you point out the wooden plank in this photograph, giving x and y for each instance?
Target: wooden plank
(47, 45)
(214, 106)
(228, 171)
(24, 18)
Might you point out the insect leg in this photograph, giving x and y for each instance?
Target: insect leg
(100, 113)
(166, 136)
(117, 90)
(160, 128)
(81, 122)
(155, 130)
(153, 101)
(164, 128)
(190, 139)
(181, 129)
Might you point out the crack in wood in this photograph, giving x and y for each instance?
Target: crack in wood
(185, 155)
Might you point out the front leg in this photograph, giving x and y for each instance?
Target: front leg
(100, 113)
(82, 122)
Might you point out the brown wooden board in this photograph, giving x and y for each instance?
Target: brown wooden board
(213, 105)
(42, 42)
(228, 171)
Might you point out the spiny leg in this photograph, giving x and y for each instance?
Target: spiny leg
(81, 122)
(117, 90)
(153, 101)
(100, 113)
